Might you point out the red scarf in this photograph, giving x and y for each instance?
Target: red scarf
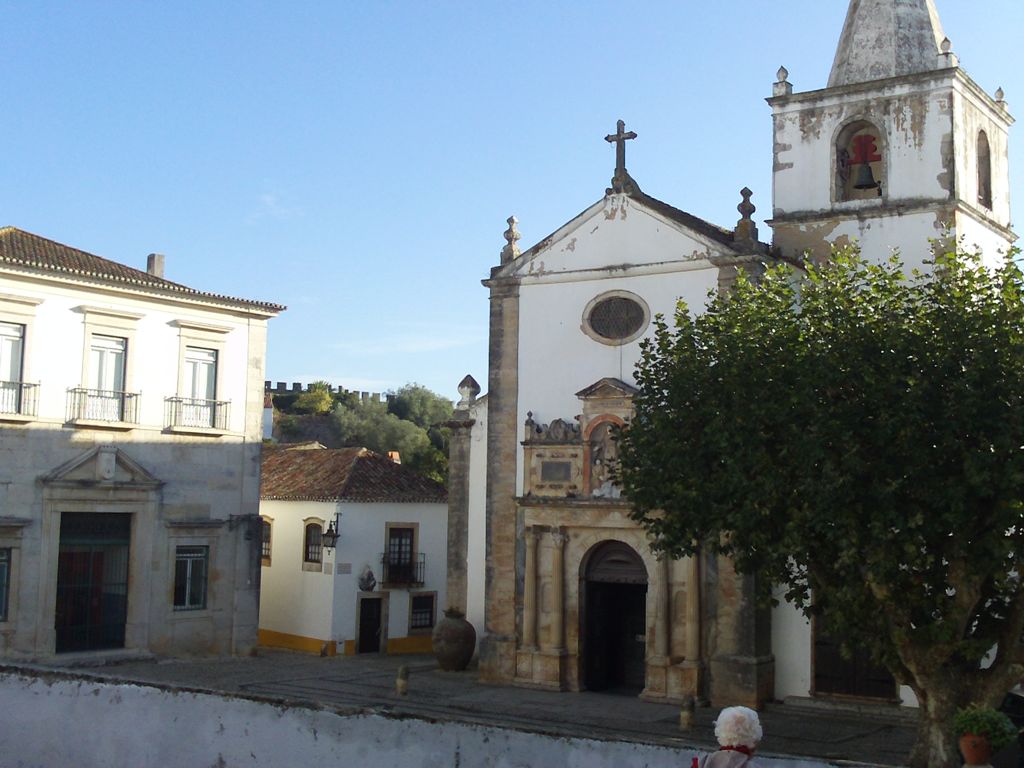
(741, 749)
(744, 750)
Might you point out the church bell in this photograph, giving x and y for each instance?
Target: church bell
(865, 177)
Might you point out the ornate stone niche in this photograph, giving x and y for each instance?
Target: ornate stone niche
(553, 456)
(607, 404)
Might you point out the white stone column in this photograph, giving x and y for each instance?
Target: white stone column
(530, 592)
(558, 541)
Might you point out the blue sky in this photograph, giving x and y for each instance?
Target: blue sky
(356, 161)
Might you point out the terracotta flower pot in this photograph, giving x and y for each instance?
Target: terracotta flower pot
(975, 749)
(454, 641)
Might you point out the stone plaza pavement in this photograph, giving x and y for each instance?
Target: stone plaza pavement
(865, 737)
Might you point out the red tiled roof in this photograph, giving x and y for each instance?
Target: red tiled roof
(23, 249)
(342, 474)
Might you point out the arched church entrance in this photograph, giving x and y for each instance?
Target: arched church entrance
(615, 619)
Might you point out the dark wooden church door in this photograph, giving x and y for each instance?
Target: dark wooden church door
(615, 631)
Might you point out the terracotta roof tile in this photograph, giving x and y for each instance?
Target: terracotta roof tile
(23, 249)
(342, 474)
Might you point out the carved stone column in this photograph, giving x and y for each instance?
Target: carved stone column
(663, 617)
(461, 426)
(557, 640)
(692, 637)
(742, 665)
(530, 593)
(498, 646)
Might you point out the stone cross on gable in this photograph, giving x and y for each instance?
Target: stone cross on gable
(619, 139)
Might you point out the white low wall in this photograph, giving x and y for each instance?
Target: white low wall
(52, 721)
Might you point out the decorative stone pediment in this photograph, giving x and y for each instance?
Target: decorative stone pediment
(607, 388)
(104, 465)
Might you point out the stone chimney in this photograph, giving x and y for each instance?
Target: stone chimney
(155, 264)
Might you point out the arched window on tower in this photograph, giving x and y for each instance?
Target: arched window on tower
(860, 164)
(984, 172)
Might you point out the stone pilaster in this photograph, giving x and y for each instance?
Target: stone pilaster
(556, 642)
(498, 645)
(742, 667)
(530, 593)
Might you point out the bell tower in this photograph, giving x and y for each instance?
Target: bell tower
(901, 147)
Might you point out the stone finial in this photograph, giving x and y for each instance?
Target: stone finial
(947, 58)
(468, 389)
(782, 87)
(746, 229)
(511, 250)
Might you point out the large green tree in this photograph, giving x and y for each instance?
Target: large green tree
(375, 425)
(856, 435)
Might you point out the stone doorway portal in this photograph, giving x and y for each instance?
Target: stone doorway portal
(92, 581)
(615, 620)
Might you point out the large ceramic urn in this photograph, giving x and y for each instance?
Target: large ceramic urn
(454, 641)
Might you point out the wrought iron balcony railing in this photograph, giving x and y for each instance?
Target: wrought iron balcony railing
(190, 412)
(406, 570)
(19, 398)
(102, 405)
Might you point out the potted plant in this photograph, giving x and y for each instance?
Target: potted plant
(982, 731)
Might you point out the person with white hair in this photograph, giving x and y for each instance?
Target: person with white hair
(738, 731)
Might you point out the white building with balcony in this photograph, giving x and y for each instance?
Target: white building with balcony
(354, 552)
(130, 411)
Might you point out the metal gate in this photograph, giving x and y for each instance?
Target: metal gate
(92, 581)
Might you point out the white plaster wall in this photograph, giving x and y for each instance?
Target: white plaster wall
(972, 116)
(556, 358)
(804, 140)
(476, 556)
(879, 238)
(60, 722)
(792, 646)
(974, 235)
(54, 354)
(298, 602)
(363, 539)
(292, 600)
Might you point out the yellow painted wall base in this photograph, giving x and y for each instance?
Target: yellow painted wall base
(270, 639)
(415, 644)
(350, 647)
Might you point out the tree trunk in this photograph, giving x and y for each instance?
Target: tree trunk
(936, 745)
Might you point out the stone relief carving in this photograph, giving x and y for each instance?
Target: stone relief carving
(558, 432)
(604, 453)
(367, 581)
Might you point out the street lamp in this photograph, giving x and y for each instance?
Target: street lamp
(332, 534)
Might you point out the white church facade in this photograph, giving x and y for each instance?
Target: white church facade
(902, 146)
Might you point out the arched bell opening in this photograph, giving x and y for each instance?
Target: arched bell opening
(614, 619)
(984, 172)
(860, 162)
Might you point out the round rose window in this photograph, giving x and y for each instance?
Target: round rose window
(616, 318)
